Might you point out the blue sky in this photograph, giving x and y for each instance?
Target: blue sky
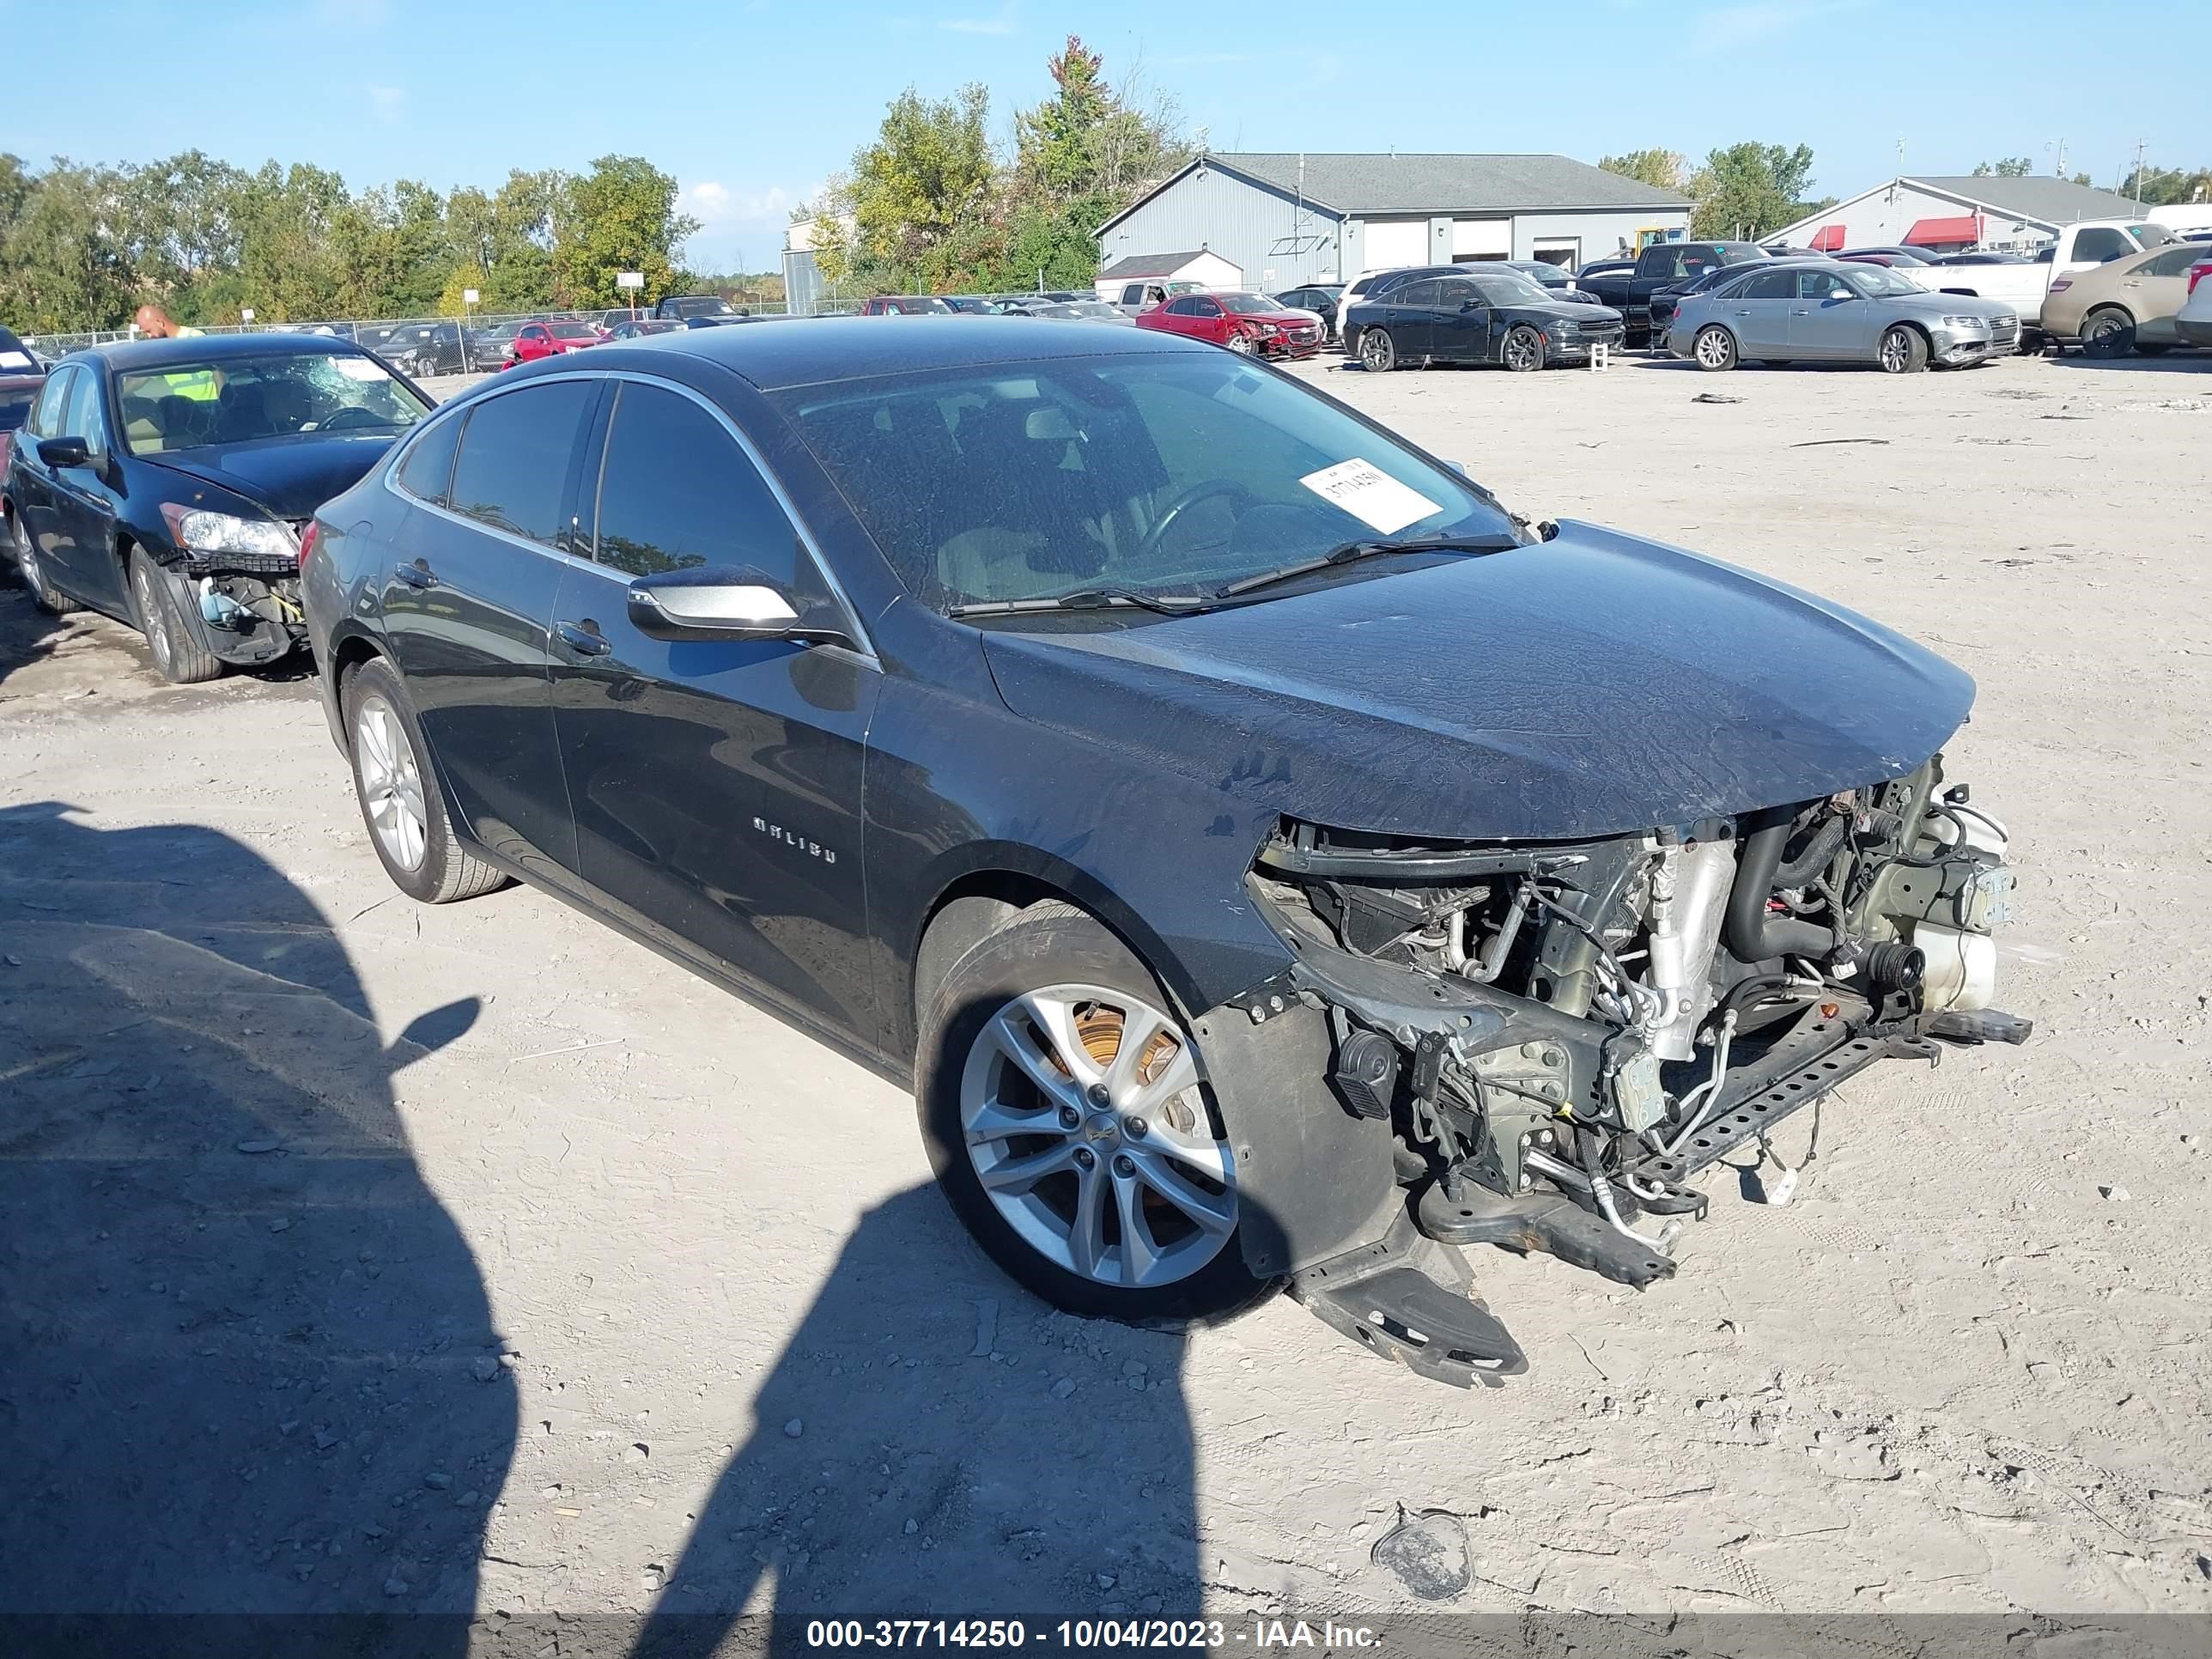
(751, 102)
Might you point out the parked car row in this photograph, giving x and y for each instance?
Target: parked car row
(1823, 310)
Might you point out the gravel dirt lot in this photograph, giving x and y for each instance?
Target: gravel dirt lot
(360, 1257)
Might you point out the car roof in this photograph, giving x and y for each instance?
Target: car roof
(810, 351)
(128, 354)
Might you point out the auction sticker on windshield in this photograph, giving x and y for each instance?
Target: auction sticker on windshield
(1370, 495)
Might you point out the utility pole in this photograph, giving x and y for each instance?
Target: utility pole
(2140, 147)
(2058, 166)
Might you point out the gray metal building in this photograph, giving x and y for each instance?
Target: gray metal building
(1943, 214)
(1288, 219)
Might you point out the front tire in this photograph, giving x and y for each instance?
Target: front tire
(1902, 351)
(1523, 351)
(1063, 1108)
(1378, 352)
(1714, 349)
(171, 636)
(400, 802)
(48, 598)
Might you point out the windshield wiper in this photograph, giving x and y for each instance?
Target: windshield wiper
(1089, 599)
(1372, 547)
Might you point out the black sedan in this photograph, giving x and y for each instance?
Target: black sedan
(1485, 316)
(166, 483)
(1226, 815)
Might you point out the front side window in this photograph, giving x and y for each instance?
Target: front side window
(249, 399)
(1820, 285)
(674, 492)
(85, 418)
(1159, 473)
(1201, 307)
(513, 468)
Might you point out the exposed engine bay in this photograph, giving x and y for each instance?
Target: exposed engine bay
(248, 603)
(1560, 1034)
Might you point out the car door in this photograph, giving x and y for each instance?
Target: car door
(468, 605)
(1459, 322)
(1758, 312)
(716, 782)
(33, 479)
(533, 343)
(83, 501)
(1830, 321)
(1208, 320)
(2158, 287)
(1409, 314)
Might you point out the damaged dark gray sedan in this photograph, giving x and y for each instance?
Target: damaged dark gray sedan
(1266, 857)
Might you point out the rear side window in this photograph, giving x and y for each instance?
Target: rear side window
(675, 491)
(429, 467)
(2175, 261)
(513, 469)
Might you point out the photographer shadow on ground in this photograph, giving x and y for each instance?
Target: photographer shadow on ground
(249, 1366)
(935, 1442)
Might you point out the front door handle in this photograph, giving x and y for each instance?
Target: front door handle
(417, 574)
(583, 638)
(1801, 310)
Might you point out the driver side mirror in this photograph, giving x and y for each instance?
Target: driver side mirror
(64, 452)
(725, 601)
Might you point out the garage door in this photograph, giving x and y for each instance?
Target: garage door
(1394, 242)
(1482, 239)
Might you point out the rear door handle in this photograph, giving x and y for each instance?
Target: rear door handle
(583, 638)
(417, 574)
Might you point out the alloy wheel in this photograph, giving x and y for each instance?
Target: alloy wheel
(27, 561)
(1241, 345)
(152, 618)
(390, 783)
(1712, 348)
(1894, 350)
(1523, 351)
(1081, 1113)
(1375, 352)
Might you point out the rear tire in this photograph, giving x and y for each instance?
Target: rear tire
(170, 635)
(48, 598)
(1714, 349)
(1523, 353)
(2107, 332)
(1378, 352)
(1902, 351)
(397, 791)
(1101, 1181)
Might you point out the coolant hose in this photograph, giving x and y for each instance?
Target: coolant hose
(1753, 935)
(1814, 859)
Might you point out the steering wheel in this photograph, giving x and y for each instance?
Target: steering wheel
(351, 414)
(1205, 491)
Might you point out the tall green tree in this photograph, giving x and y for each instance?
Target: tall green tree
(1749, 189)
(1661, 169)
(2009, 167)
(619, 216)
(62, 265)
(2166, 186)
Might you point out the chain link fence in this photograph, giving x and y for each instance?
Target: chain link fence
(420, 345)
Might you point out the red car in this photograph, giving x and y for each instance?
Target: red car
(536, 340)
(1250, 323)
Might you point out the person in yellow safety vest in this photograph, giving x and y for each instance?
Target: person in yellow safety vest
(199, 385)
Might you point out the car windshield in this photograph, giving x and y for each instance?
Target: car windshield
(501, 334)
(243, 399)
(1878, 282)
(1250, 305)
(1144, 472)
(1509, 287)
(572, 331)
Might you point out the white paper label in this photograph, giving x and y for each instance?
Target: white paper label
(17, 360)
(357, 368)
(1370, 495)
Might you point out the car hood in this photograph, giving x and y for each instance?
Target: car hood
(1594, 685)
(288, 476)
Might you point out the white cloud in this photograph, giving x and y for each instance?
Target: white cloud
(388, 103)
(1001, 24)
(714, 203)
(1733, 26)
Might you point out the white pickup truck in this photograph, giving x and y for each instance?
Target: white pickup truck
(2023, 285)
